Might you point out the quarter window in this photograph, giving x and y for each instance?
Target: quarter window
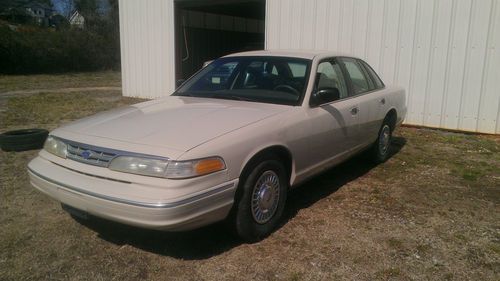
(378, 83)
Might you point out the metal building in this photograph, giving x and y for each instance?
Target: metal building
(444, 52)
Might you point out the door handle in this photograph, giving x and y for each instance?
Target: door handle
(354, 110)
(382, 101)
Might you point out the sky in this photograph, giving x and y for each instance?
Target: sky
(59, 6)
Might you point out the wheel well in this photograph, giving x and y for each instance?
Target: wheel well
(277, 151)
(392, 118)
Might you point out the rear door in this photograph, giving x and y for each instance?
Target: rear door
(369, 98)
(376, 100)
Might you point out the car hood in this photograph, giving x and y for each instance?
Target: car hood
(179, 123)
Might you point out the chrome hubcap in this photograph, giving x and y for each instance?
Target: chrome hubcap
(384, 139)
(265, 197)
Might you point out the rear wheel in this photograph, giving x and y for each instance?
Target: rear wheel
(262, 200)
(380, 149)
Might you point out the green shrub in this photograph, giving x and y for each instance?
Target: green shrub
(40, 50)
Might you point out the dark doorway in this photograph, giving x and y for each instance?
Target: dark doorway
(206, 30)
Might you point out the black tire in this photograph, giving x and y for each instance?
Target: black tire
(246, 222)
(380, 148)
(21, 140)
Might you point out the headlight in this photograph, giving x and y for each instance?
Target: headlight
(194, 168)
(166, 168)
(55, 147)
(138, 165)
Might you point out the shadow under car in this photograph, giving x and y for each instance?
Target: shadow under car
(215, 239)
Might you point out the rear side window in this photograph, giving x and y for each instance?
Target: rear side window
(359, 80)
(376, 80)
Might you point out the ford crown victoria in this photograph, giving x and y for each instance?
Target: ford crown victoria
(229, 143)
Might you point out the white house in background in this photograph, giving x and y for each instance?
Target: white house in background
(444, 52)
(77, 20)
(40, 12)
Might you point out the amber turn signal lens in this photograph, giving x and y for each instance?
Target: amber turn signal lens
(210, 165)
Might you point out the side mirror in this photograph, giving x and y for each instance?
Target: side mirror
(324, 95)
(179, 82)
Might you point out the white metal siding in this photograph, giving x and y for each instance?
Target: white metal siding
(444, 52)
(147, 47)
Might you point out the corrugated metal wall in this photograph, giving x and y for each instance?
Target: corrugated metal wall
(444, 52)
(147, 38)
(147, 47)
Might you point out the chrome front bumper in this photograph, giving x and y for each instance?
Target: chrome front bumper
(184, 212)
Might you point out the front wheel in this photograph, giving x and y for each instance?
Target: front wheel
(263, 197)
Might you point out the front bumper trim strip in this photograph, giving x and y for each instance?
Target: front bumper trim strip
(137, 203)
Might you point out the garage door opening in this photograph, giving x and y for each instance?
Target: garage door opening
(206, 30)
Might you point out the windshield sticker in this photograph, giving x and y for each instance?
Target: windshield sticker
(215, 80)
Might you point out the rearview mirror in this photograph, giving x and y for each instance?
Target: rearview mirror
(325, 95)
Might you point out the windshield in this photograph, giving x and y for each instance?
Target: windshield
(279, 80)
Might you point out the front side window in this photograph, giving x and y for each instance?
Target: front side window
(359, 80)
(277, 80)
(329, 75)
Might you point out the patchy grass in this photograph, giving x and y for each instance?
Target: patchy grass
(72, 80)
(48, 110)
(431, 212)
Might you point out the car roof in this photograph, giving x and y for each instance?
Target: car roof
(305, 54)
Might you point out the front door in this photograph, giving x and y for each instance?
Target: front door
(332, 127)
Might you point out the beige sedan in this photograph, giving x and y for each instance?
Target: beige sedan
(227, 144)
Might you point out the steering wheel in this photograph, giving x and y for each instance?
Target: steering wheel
(287, 88)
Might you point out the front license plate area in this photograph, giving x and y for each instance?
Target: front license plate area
(75, 212)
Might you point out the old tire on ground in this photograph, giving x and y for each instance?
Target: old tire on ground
(21, 140)
(261, 201)
(380, 149)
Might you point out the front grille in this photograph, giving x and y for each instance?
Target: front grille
(89, 155)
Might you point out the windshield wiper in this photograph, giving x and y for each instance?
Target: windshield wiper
(183, 95)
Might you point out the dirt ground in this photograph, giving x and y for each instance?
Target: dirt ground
(431, 212)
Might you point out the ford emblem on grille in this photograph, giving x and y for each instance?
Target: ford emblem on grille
(86, 154)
